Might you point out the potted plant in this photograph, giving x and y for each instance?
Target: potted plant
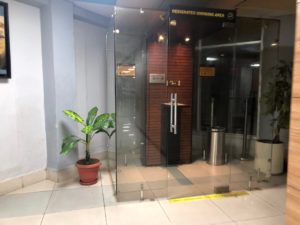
(104, 123)
(276, 101)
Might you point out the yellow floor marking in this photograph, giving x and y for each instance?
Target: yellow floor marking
(211, 196)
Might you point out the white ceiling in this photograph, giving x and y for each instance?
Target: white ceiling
(148, 4)
(255, 8)
(104, 10)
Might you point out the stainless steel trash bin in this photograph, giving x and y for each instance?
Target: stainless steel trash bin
(217, 146)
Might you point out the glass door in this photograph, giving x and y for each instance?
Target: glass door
(200, 64)
(255, 156)
(223, 61)
(141, 44)
(243, 104)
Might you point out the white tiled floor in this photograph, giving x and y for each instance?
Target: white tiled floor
(246, 208)
(26, 220)
(196, 212)
(93, 216)
(47, 203)
(276, 220)
(147, 213)
(196, 178)
(275, 197)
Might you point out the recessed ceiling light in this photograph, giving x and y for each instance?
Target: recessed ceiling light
(116, 31)
(173, 23)
(162, 17)
(161, 38)
(274, 44)
(255, 65)
(211, 59)
(187, 39)
(142, 11)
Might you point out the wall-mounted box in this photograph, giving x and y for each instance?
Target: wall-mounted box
(157, 78)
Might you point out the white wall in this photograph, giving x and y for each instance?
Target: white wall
(22, 122)
(59, 79)
(90, 57)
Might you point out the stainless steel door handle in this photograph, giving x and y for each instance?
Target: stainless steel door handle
(175, 113)
(171, 113)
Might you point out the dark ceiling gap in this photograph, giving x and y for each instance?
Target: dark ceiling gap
(240, 3)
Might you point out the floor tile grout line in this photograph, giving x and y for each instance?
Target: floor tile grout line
(225, 223)
(166, 214)
(42, 220)
(151, 190)
(232, 220)
(258, 218)
(104, 205)
(265, 201)
(264, 217)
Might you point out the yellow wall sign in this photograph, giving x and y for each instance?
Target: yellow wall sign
(207, 71)
(197, 13)
(226, 15)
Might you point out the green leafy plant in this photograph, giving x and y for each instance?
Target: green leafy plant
(103, 123)
(277, 98)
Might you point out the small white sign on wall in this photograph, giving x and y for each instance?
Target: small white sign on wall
(155, 78)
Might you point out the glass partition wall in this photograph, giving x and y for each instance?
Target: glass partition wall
(141, 44)
(110, 65)
(190, 105)
(271, 145)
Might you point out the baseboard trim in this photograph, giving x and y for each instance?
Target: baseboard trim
(56, 176)
(21, 182)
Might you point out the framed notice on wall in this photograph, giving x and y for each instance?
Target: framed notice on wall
(206, 71)
(126, 70)
(5, 71)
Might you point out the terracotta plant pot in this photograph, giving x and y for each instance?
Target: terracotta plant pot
(88, 174)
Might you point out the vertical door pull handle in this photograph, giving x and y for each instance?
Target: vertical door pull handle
(171, 113)
(175, 113)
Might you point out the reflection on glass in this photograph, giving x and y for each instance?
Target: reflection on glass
(138, 33)
(235, 82)
(218, 71)
(271, 146)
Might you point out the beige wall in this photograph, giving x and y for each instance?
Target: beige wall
(293, 190)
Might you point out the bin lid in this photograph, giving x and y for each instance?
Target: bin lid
(217, 129)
